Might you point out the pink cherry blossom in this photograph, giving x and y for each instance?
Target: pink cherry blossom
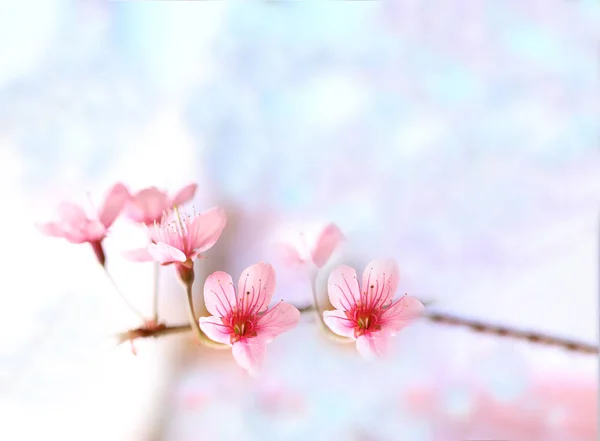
(369, 315)
(302, 248)
(243, 320)
(180, 237)
(148, 205)
(77, 226)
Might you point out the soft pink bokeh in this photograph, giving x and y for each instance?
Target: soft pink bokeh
(553, 408)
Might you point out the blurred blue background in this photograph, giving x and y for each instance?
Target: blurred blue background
(460, 137)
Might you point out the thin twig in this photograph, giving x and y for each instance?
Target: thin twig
(446, 319)
(154, 331)
(194, 321)
(127, 302)
(155, 290)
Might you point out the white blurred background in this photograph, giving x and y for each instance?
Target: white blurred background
(460, 138)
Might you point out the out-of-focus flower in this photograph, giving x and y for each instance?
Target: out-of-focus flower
(369, 315)
(77, 226)
(298, 249)
(243, 319)
(148, 205)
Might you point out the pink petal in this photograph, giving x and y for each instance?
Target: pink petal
(73, 235)
(165, 253)
(135, 212)
(184, 195)
(219, 294)
(138, 255)
(214, 328)
(153, 234)
(375, 345)
(250, 354)
(338, 323)
(114, 202)
(91, 231)
(402, 313)
(258, 283)
(206, 229)
(82, 230)
(380, 280)
(279, 319)
(147, 205)
(326, 244)
(343, 288)
(195, 254)
(70, 212)
(50, 229)
(289, 254)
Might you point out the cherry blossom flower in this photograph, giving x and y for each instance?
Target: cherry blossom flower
(302, 248)
(180, 238)
(243, 320)
(77, 226)
(148, 205)
(369, 315)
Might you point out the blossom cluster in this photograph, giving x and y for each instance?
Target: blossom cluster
(364, 310)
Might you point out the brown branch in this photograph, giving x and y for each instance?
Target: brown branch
(159, 330)
(503, 331)
(152, 331)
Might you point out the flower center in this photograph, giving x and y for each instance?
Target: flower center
(366, 320)
(241, 328)
(174, 229)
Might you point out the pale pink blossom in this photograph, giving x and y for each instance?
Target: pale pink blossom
(148, 205)
(77, 226)
(366, 312)
(243, 320)
(180, 237)
(300, 248)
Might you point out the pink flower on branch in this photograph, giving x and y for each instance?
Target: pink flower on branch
(301, 248)
(243, 320)
(148, 205)
(367, 312)
(77, 226)
(180, 238)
